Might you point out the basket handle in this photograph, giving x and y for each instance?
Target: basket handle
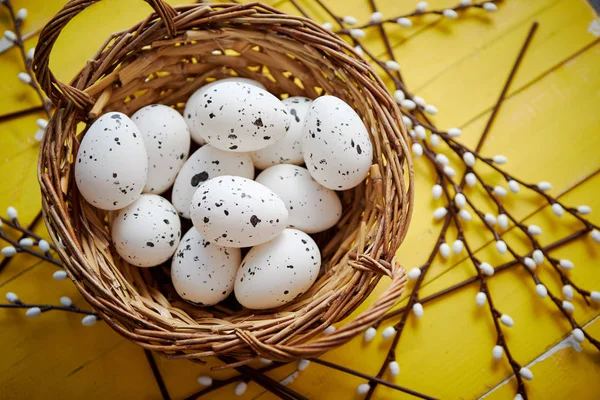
(56, 90)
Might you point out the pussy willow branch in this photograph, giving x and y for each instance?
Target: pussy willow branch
(48, 307)
(416, 13)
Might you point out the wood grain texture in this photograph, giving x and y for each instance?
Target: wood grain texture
(548, 128)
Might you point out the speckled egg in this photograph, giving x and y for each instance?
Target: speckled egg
(236, 212)
(207, 162)
(312, 207)
(336, 145)
(192, 105)
(278, 271)
(202, 272)
(167, 140)
(235, 116)
(111, 163)
(147, 232)
(288, 150)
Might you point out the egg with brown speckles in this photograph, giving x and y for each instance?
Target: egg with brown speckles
(111, 163)
(206, 163)
(312, 207)
(276, 272)
(288, 150)
(191, 107)
(337, 149)
(147, 232)
(167, 141)
(237, 212)
(234, 116)
(202, 272)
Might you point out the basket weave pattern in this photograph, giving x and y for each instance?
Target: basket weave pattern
(164, 59)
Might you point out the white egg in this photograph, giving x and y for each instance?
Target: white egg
(191, 106)
(167, 140)
(111, 163)
(147, 232)
(312, 207)
(236, 212)
(278, 271)
(206, 163)
(203, 272)
(288, 150)
(336, 145)
(235, 116)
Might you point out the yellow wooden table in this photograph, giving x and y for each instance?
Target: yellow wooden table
(549, 128)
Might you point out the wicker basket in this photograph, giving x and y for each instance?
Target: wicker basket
(164, 59)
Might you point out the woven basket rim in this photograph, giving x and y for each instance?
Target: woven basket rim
(135, 308)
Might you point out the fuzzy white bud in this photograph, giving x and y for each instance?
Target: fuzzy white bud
(241, 388)
(33, 312)
(465, 215)
(303, 364)
(568, 306)
(376, 17)
(538, 256)
(24, 77)
(469, 159)
(399, 96)
(442, 159)
(205, 380)
(9, 251)
(501, 246)
(491, 7)
(10, 36)
(480, 299)
(440, 213)
(11, 212)
(568, 292)
(60, 275)
(454, 132)
(497, 352)
(405, 22)
(595, 235)
(566, 264)
(578, 335)
(359, 50)
(89, 320)
(595, 295)
(436, 191)
(417, 149)
(544, 186)
(42, 123)
(449, 171)
(414, 273)
(394, 368)
(460, 200)
(370, 334)
(445, 250)
(507, 320)
(350, 20)
(471, 179)
(499, 159)
(541, 290)
(408, 104)
(431, 109)
(26, 242)
(500, 191)
(357, 33)
(534, 230)
(327, 26)
(465, 2)
(11, 297)
(526, 373)
(329, 330)
(419, 101)
(22, 14)
(31, 53)
(503, 221)
(558, 210)
(66, 301)
(529, 263)
(265, 361)
(422, 6)
(44, 246)
(490, 219)
(407, 121)
(417, 310)
(486, 268)
(457, 246)
(363, 388)
(450, 14)
(39, 135)
(393, 65)
(434, 139)
(420, 131)
(584, 210)
(513, 186)
(388, 332)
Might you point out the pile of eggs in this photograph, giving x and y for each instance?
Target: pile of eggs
(123, 165)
